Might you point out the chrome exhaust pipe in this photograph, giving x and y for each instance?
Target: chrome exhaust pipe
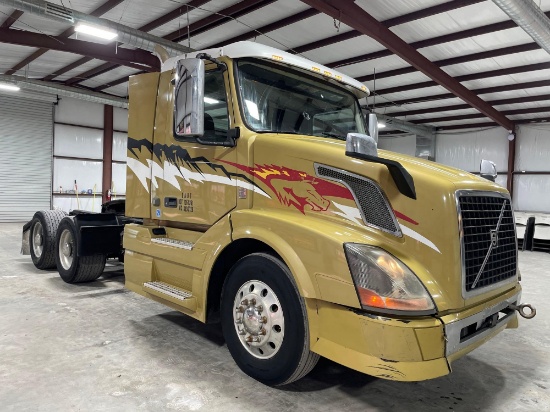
(521, 310)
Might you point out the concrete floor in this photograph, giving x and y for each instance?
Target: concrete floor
(98, 347)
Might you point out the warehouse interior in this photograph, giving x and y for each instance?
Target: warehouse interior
(452, 83)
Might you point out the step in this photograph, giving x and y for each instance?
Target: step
(181, 244)
(172, 294)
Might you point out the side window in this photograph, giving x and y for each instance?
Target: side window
(216, 119)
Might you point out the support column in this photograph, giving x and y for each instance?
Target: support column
(511, 165)
(107, 151)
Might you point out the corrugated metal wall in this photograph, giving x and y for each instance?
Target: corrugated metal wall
(26, 157)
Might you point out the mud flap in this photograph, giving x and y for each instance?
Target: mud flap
(25, 242)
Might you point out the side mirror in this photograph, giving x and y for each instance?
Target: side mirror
(373, 127)
(189, 98)
(488, 170)
(357, 143)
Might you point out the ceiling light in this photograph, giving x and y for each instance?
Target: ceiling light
(95, 31)
(10, 87)
(381, 125)
(209, 100)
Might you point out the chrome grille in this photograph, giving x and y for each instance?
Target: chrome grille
(484, 249)
(375, 209)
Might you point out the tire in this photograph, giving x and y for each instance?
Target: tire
(42, 237)
(71, 267)
(281, 355)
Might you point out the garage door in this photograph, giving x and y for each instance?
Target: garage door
(26, 130)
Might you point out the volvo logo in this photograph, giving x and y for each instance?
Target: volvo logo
(494, 238)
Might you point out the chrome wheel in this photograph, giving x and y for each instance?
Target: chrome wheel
(38, 239)
(259, 319)
(66, 249)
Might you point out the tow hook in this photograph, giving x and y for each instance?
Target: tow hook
(521, 310)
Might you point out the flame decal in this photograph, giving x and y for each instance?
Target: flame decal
(296, 188)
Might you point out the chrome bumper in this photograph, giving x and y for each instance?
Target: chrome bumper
(486, 321)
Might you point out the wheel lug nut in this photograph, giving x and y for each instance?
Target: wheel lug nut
(259, 308)
(239, 321)
(245, 302)
(253, 301)
(264, 319)
(263, 332)
(239, 309)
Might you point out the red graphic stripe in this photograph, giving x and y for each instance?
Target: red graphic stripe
(401, 216)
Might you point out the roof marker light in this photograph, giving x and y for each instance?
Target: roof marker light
(95, 31)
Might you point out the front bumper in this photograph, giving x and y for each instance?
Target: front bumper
(409, 349)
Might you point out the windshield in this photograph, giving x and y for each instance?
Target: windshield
(281, 100)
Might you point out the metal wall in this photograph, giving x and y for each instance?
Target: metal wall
(26, 157)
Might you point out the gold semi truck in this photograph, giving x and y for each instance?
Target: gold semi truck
(257, 198)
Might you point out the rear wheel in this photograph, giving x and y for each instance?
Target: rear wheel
(42, 237)
(71, 267)
(264, 321)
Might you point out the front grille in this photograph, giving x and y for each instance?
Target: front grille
(375, 209)
(480, 215)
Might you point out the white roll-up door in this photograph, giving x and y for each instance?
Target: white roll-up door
(26, 135)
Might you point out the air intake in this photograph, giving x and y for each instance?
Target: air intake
(59, 12)
(373, 205)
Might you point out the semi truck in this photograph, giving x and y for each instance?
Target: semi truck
(257, 198)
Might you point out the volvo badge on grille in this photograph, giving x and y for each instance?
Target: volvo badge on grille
(494, 238)
(493, 234)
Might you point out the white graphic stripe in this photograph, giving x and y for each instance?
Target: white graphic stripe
(417, 236)
(170, 174)
(350, 213)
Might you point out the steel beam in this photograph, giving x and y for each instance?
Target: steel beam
(126, 57)
(12, 18)
(529, 110)
(541, 120)
(207, 23)
(354, 16)
(104, 8)
(513, 100)
(279, 24)
(216, 19)
(405, 18)
(504, 51)
(484, 90)
(446, 38)
(467, 77)
(107, 178)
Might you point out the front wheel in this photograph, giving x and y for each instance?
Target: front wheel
(71, 267)
(264, 321)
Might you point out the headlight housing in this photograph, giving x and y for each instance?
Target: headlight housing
(384, 283)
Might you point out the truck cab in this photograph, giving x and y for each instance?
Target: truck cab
(267, 206)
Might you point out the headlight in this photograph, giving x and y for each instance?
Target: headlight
(384, 282)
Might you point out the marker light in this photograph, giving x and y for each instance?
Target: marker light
(95, 31)
(384, 282)
(10, 87)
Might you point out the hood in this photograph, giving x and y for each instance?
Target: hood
(306, 173)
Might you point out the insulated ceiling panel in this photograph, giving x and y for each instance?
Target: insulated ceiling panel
(195, 14)
(80, 69)
(290, 36)
(136, 13)
(47, 63)
(109, 76)
(472, 16)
